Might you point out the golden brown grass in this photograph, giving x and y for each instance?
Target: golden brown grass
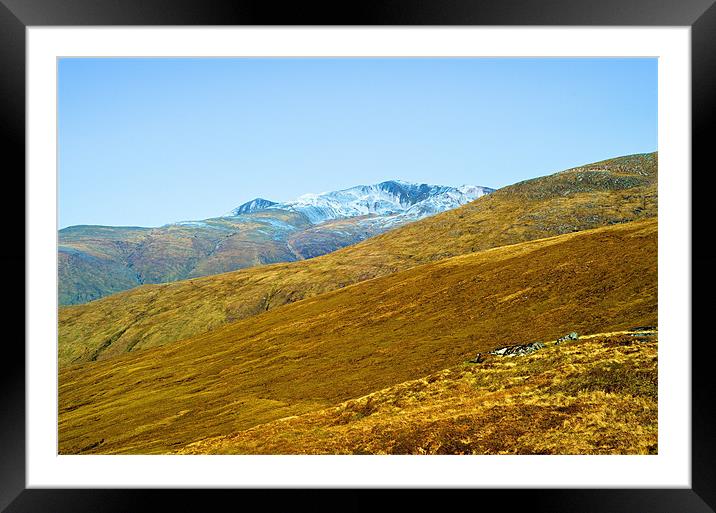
(614, 191)
(347, 343)
(584, 397)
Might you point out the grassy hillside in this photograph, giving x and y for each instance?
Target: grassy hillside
(347, 343)
(597, 395)
(83, 277)
(609, 192)
(99, 260)
(91, 262)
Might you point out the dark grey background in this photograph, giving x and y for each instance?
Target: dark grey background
(387, 12)
(15, 15)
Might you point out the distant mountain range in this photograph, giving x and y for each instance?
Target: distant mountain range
(95, 261)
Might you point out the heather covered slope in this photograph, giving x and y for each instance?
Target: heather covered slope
(348, 343)
(596, 395)
(609, 192)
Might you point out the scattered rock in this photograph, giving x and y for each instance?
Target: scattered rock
(477, 359)
(570, 336)
(518, 350)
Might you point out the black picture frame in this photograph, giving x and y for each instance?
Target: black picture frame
(16, 15)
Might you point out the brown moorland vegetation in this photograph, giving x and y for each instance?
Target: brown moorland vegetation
(597, 395)
(347, 343)
(609, 192)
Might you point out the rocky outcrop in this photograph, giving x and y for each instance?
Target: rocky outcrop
(567, 337)
(518, 350)
(522, 349)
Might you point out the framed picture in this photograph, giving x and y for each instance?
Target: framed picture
(200, 316)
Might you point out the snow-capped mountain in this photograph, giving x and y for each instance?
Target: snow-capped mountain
(252, 206)
(396, 201)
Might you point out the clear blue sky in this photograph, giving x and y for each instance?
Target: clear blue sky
(145, 142)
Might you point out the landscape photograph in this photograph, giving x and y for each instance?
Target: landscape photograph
(357, 256)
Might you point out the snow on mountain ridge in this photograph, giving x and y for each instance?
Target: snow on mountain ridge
(407, 200)
(252, 206)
